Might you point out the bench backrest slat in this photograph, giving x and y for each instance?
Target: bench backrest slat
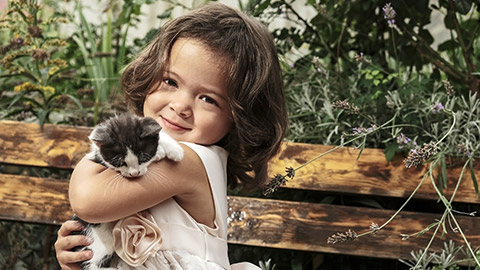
(340, 171)
(54, 146)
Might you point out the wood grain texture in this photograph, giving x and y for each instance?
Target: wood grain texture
(254, 221)
(258, 222)
(56, 146)
(306, 226)
(340, 171)
(33, 199)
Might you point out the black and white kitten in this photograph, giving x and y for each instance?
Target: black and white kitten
(127, 144)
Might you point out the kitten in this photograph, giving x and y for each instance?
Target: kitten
(127, 144)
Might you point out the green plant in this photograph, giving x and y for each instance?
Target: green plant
(103, 48)
(22, 248)
(367, 74)
(32, 65)
(450, 257)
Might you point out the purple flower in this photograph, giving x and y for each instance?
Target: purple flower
(347, 236)
(359, 57)
(437, 108)
(420, 154)
(317, 64)
(360, 130)
(389, 14)
(347, 106)
(462, 149)
(403, 140)
(448, 86)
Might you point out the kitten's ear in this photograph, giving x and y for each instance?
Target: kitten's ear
(150, 127)
(99, 135)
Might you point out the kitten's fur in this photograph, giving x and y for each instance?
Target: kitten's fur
(127, 144)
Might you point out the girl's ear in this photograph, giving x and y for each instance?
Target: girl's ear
(150, 127)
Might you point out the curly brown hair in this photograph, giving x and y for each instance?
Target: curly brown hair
(255, 87)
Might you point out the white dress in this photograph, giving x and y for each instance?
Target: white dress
(167, 237)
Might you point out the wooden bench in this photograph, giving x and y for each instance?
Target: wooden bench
(264, 222)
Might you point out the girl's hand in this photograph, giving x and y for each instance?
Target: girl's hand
(69, 260)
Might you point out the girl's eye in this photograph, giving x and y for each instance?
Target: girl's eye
(209, 100)
(170, 82)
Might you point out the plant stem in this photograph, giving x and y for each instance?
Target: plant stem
(398, 211)
(394, 48)
(345, 143)
(448, 211)
(431, 240)
(449, 131)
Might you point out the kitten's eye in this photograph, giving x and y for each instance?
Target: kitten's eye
(118, 161)
(209, 100)
(143, 157)
(170, 83)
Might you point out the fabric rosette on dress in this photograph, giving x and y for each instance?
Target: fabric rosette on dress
(136, 238)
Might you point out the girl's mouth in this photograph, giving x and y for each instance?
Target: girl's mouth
(173, 126)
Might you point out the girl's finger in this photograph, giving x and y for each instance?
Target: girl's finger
(68, 227)
(66, 243)
(70, 260)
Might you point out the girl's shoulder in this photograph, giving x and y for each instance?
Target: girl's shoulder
(208, 153)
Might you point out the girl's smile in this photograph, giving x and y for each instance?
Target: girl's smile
(190, 102)
(172, 125)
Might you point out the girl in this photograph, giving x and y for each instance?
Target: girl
(212, 80)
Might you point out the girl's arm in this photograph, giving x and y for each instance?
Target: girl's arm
(98, 194)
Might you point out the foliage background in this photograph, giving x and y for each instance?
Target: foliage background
(347, 69)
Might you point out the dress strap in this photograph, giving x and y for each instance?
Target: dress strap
(245, 266)
(207, 247)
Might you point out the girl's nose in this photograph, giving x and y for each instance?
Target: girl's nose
(182, 107)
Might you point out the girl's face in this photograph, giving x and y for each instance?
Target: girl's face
(190, 102)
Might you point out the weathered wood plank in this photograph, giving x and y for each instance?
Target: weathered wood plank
(56, 146)
(257, 222)
(306, 226)
(33, 199)
(340, 171)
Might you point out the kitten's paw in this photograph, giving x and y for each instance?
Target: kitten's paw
(160, 153)
(172, 148)
(174, 153)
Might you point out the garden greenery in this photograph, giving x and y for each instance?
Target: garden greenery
(356, 73)
(373, 77)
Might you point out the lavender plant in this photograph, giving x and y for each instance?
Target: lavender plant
(395, 92)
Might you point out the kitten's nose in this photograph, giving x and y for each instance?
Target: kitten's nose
(133, 172)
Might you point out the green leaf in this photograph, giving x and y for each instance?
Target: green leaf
(76, 101)
(362, 146)
(390, 151)
(42, 116)
(474, 178)
(367, 202)
(448, 45)
(442, 174)
(328, 199)
(376, 82)
(448, 20)
(16, 99)
(377, 94)
(463, 6)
